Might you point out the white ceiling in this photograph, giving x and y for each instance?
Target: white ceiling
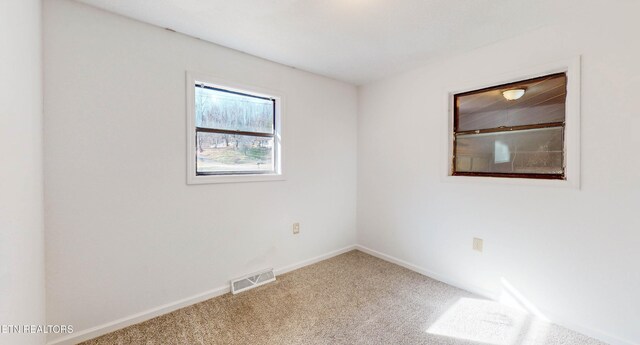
(352, 40)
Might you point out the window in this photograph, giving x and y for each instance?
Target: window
(512, 130)
(233, 134)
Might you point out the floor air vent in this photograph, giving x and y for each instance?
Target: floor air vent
(252, 280)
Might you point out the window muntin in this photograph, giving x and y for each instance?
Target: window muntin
(522, 138)
(235, 132)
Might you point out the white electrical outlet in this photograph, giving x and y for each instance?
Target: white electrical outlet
(296, 228)
(478, 244)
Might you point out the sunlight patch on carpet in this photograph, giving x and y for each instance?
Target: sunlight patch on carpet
(481, 321)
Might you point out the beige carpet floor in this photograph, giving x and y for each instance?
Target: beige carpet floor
(353, 298)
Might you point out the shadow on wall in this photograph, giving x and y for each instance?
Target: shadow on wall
(512, 320)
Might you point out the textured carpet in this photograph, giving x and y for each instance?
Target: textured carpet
(353, 298)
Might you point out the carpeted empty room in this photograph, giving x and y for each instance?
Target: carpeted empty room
(353, 298)
(319, 172)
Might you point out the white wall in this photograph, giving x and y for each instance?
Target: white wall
(21, 231)
(573, 253)
(124, 232)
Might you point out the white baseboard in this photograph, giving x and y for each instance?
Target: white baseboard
(115, 325)
(593, 333)
(126, 321)
(588, 331)
(425, 272)
(313, 260)
(169, 307)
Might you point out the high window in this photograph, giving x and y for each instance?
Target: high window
(512, 130)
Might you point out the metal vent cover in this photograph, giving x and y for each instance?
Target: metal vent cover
(252, 280)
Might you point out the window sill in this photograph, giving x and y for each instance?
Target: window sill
(209, 179)
(510, 181)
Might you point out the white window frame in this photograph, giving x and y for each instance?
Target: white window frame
(192, 177)
(572, 124)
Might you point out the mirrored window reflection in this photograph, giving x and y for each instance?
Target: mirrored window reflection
(512, 130)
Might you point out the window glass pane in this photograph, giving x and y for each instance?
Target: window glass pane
(216, 153)
(224, 110)
(533, 151)
(543, 102)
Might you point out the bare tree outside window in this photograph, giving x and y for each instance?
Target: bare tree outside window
(235, 132)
